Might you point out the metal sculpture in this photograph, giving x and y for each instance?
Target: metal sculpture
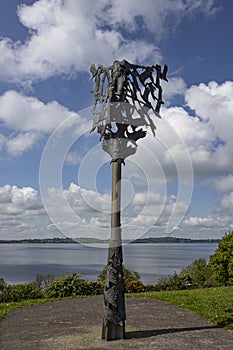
(126, 98)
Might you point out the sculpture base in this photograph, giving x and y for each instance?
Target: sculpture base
(111, 331)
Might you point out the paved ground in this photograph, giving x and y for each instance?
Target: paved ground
(76, 324)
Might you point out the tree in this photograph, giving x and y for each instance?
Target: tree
(222, 260)
(199, 273)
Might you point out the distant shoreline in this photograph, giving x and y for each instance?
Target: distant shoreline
(94, 240)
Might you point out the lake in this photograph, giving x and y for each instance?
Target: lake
(22, 262)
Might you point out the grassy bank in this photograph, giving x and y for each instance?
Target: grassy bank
(212, 304)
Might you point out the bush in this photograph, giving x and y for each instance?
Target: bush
(71, 285)
(43, 280)
(4, 291)
(197, 275)
(25, 291)
(18, 292)
(173, 282)
(151, 288)
(134, 286)
(222, 260)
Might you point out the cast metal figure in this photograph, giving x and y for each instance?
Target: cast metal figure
(126, 97)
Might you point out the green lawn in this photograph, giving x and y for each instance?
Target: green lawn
(212, 304)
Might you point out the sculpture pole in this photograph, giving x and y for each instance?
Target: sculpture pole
(114, 321)
(125, 100)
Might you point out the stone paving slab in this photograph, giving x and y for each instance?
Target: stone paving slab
(76, 324)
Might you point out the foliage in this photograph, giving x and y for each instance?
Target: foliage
(197, 275)
(4, 290)
(25, 291)
(134, 286)
(173, 282)
(43, 280)
(129, 275)
(72, 285)
(9, 293)
(222, 260)
(213, 304)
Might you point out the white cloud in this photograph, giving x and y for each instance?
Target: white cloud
(208, 133)
(16, 146)
(141, 198)
(224, 184)
(174, 86)
(5, 194)
(26, 197)
(222, 224)
(227, 201)
(67, 36)
(89, 210)
(21, 213)
(200, 221)
(154, 14)
(29, 120)
(24, 113)
(213, 103)
(73, 158)
(205, 227)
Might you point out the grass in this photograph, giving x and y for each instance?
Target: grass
(212, 304)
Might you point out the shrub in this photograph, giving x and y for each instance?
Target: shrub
(151, 288)
(134, 286)
(4, 291)
(197, 275)
(25, 291)
(18, 292)
(43, 280)
(71, 285)
(172, 282)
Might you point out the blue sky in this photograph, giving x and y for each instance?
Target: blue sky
(46, 49)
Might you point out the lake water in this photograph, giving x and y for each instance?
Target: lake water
(22, 262)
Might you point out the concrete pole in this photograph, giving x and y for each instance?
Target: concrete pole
(114, 298)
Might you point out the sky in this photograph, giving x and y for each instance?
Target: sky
(55, 180)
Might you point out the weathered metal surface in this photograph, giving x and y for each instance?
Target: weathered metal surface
(126, 97)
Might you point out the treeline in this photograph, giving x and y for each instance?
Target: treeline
(174, 240)
(95, 240)
(40, 240)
